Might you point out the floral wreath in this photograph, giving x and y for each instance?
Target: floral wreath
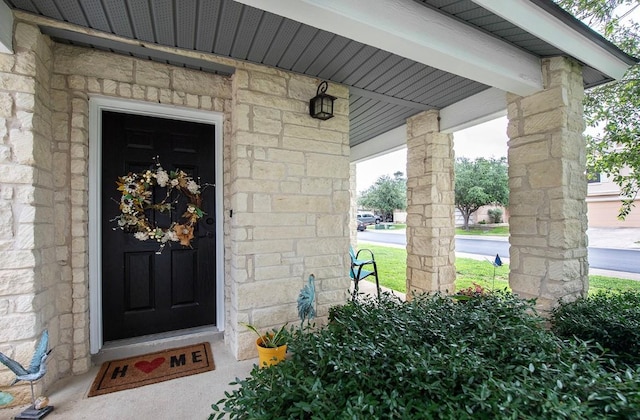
(136, 199)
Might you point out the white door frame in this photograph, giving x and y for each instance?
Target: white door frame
(97, 104)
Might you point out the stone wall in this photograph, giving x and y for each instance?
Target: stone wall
(430, 206)
(548, 186)
(290, 195)
(80, 73)
(286, 190)
(33, 258)
(44, 146)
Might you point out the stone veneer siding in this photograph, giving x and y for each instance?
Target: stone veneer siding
(286, 178)
(78, 74)
(290, 195)
(548, 211)
(35, 277)
(430, 206)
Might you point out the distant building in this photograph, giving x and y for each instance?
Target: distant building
(603, 203)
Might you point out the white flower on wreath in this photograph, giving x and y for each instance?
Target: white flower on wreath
(141, 236)
(169, 235)
(193, 187)
(162, 177)
(131, 187)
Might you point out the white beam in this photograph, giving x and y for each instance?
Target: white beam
(6, 29)
(481, 107)
(410, 30)
(526, 15)
(388, 142)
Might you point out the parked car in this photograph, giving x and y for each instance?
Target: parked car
(361, 226)
(369, 218)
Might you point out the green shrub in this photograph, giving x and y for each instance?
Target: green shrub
(495, 215)
(611, 319)
(433, 357)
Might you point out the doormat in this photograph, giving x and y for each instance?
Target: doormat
(150, 368)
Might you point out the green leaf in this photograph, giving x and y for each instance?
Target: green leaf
(488, 358)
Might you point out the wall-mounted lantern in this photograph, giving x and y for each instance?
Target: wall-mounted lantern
(321, 105)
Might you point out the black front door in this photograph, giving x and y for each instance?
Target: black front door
(145, 292)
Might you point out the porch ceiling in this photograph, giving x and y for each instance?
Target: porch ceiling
(385, 88)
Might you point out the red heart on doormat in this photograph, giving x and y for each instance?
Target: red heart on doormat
(147, 367)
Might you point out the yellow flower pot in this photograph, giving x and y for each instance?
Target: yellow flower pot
(268, 356)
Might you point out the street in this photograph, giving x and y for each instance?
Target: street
(625, 260)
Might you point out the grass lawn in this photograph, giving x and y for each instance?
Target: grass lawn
(494, 231)
(392, 226)
(392, 272)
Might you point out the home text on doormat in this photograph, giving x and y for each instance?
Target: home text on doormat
(150, 368)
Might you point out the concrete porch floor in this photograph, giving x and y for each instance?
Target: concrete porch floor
(189, 397)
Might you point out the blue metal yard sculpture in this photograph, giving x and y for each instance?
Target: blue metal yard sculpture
(36, 370)
(306, 300)
(497, 262)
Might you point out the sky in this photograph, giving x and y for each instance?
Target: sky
(483, 140)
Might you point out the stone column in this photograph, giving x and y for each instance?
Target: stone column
(430, 206)
(32, 258)
(548, 211)
(353, 214)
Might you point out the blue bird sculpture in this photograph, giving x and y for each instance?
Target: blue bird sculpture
(306, 300)
(37, 367)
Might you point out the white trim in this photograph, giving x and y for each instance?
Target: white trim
(533, 19)
(6, 29)
(96, 105)
(606, 197)
(477, 109)
(481, 107)
(410, 30)
(387, 142)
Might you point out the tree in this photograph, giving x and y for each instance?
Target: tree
(479, 183)
(386, 195)
(614, 108)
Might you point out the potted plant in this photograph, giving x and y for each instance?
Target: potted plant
(272, 346)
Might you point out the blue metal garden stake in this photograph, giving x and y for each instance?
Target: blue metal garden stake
(306, 301)
(496, 263)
